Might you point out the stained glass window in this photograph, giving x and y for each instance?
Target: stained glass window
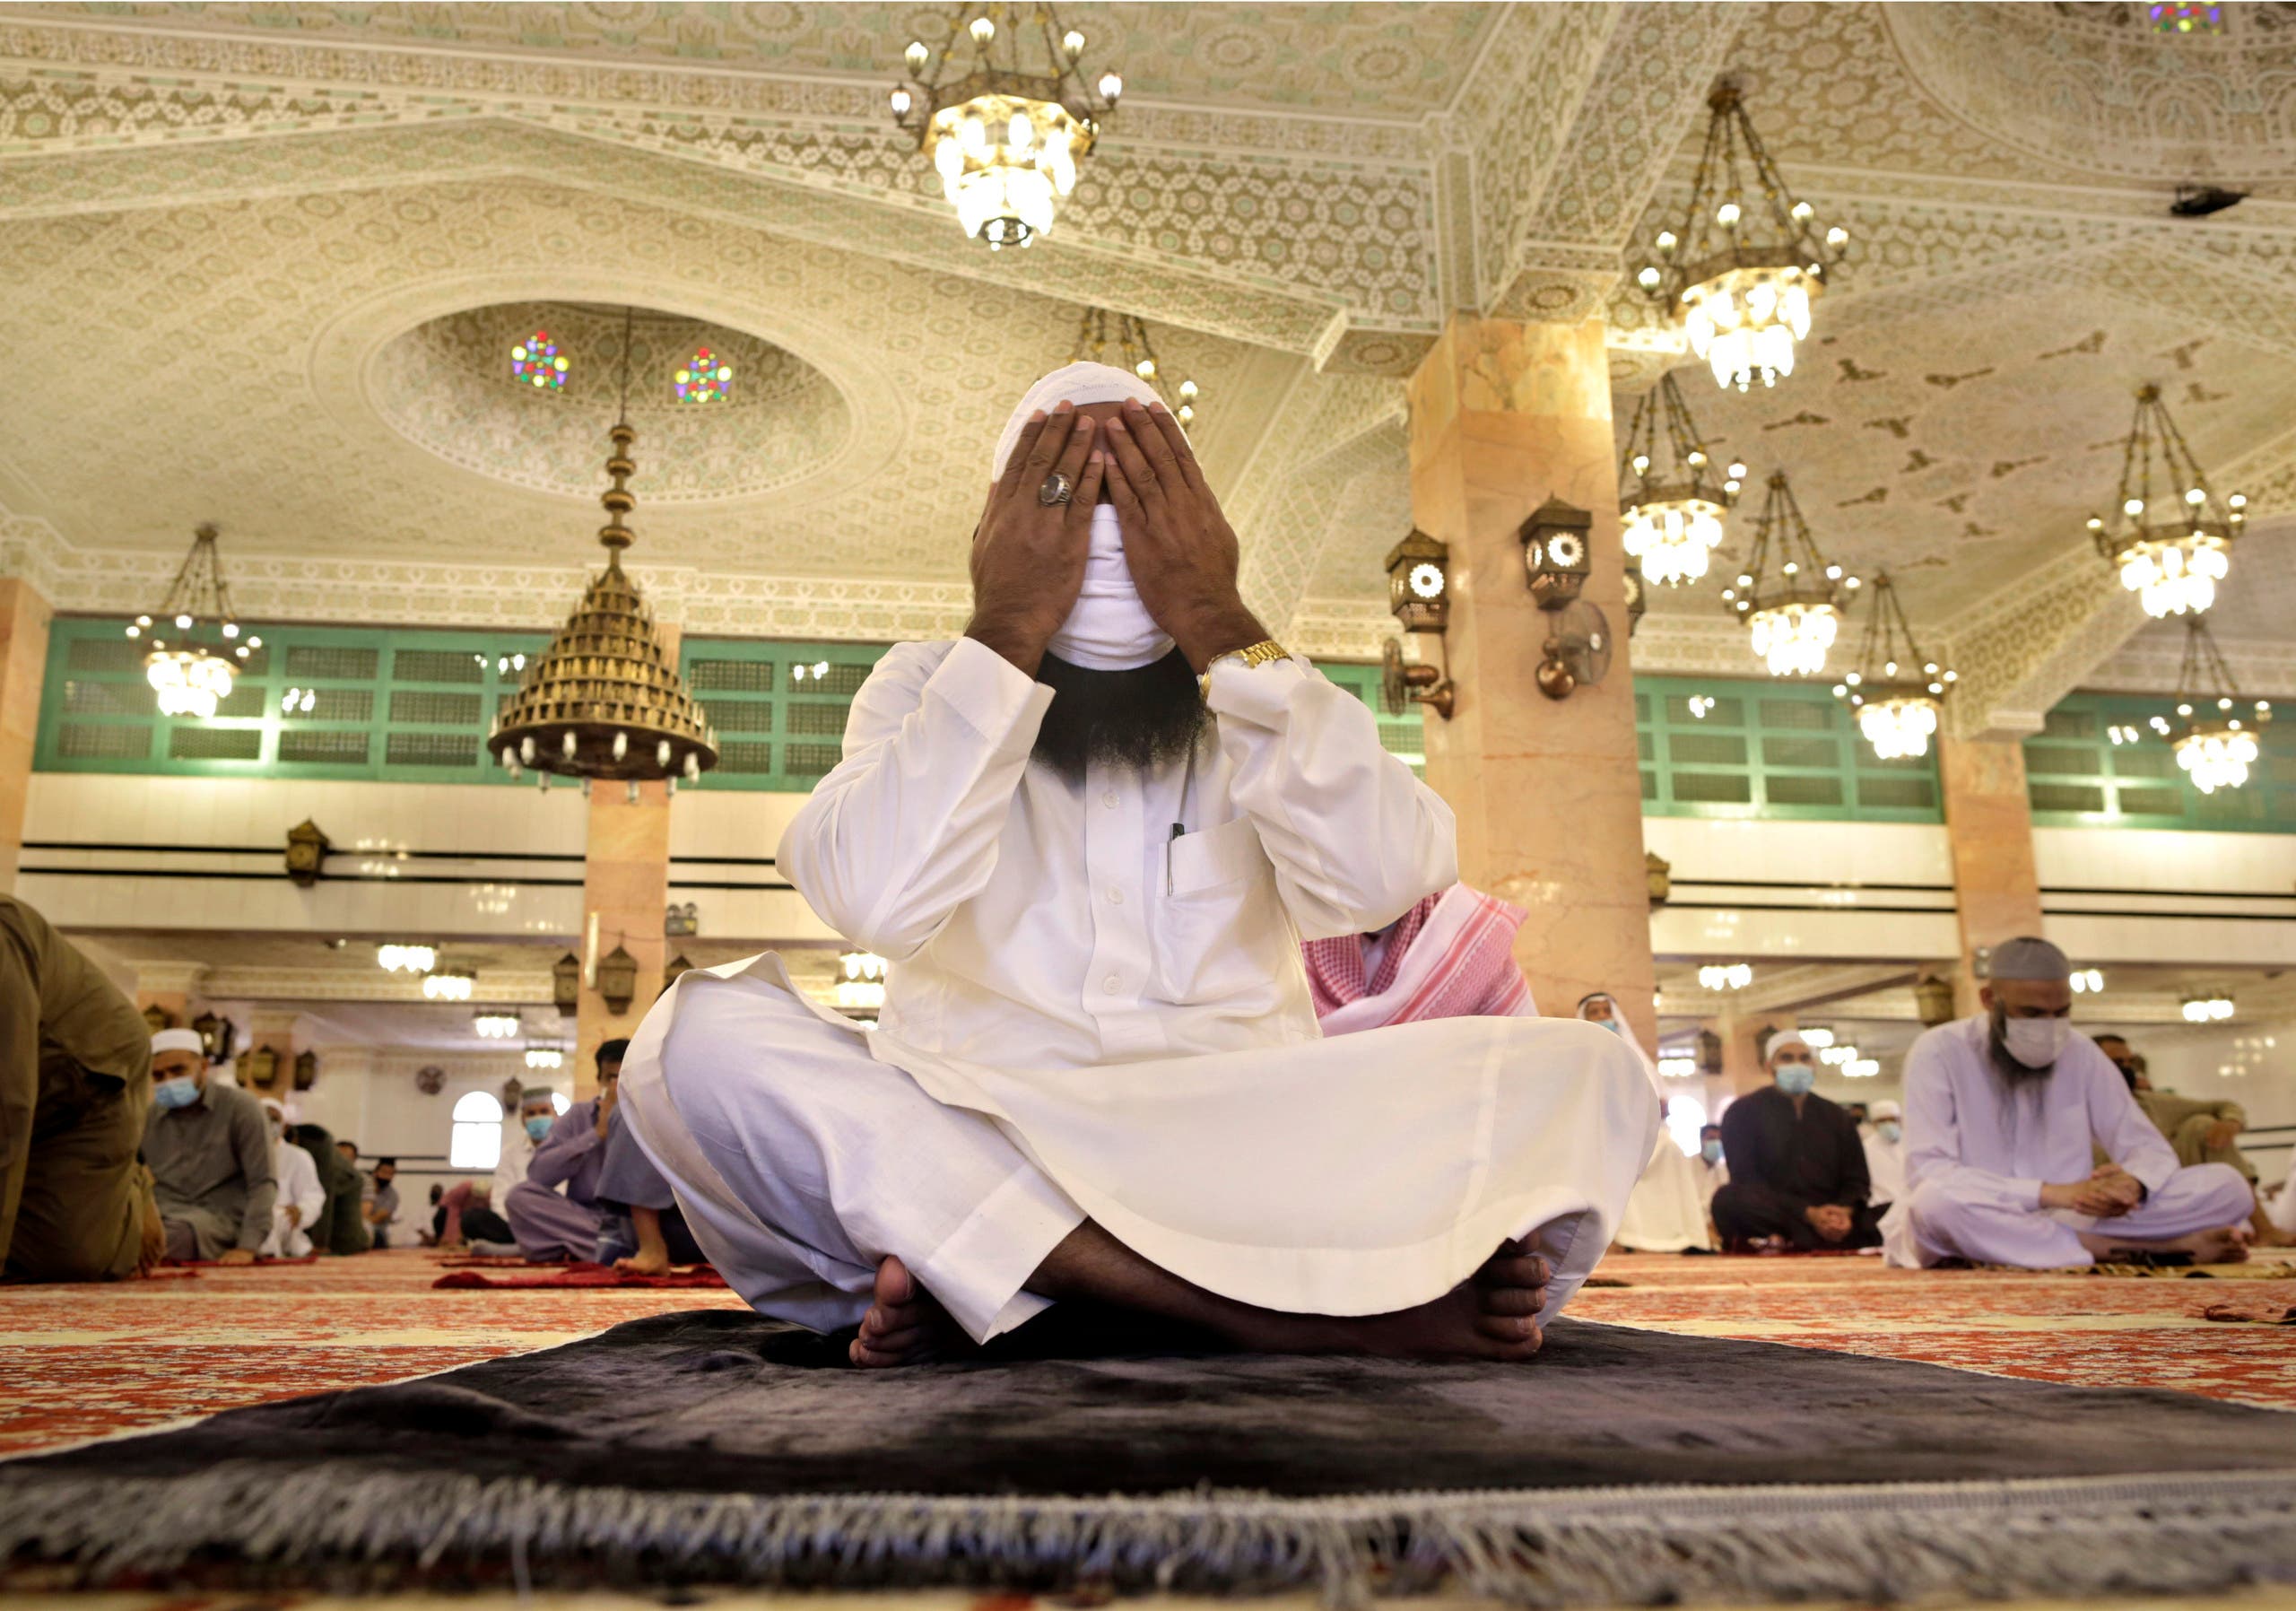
(537, 361)
(2184, 18)
(705, 377)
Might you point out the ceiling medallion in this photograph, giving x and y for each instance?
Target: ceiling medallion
(1742, 271)
(2217, 747)
(1897, 706)
(1006, 126)
(1796, 616)
(1127, 332)
(191, 677)
(2173, 565)
(605, 700)
(1673, 512)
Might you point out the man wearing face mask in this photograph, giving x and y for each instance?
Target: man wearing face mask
(1797, 1166)
(209, 1148)
(301, 1198)
(1885, 1155)
(2001, 1112)
(537, 1112)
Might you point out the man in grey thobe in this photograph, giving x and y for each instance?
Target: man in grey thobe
(209, 1149)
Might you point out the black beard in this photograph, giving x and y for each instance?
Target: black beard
(1132, 719)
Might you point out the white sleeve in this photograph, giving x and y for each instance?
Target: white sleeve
(1355, 838)
(1933, 1136)
(298, 1184)
(905, 830)
(2119, 1125)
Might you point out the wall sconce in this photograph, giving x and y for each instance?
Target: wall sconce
(676, 966)
(1638, 596)
(259, 1066)
(682, 922)
(566, 983)
(1403, 684)
(618, 979)
(216, 1034)
(306, 1070)
(1659, 874)
(1419, 583)
(1557, 551)
(1709, 1053)
(159, 1017)
(306, 848)
(1932, 999)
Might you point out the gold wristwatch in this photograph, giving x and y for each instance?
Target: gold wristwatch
(1256, 654)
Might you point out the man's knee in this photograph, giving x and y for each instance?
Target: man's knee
(1731, 1211)
(1937, 1215)
(2219, 1189)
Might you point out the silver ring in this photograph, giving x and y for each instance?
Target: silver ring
(1056, 490)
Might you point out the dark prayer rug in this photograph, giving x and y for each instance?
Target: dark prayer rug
(1622, 1465)
(580, 1273)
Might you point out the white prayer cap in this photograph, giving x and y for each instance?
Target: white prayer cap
(534, 1094)
(177, 1040)
(1108, 628)
(1885, 1109)
(1782, 1040)
(2027, 957)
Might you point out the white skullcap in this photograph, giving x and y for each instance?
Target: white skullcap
(177, 1040)
(1783, 1038)
(2027, 957)
(1109, 628)
(1885, 1110)
(534, 1094)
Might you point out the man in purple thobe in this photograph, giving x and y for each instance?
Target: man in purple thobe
(554, 1211)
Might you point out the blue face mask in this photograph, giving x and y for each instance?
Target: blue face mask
(1891, 1129)
(1614, 1026)
(1711, 1152)
(1795, 1079)
(538, 1127)
(181, 1092)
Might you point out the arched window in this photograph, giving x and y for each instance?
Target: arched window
(705, 377)
(477, 1141)
(1685, 1117)
(537, 361)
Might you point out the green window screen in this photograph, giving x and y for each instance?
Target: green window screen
(1403, 737)
(780, 709)
(1739, 749)
(354, 704)
(2076, 775)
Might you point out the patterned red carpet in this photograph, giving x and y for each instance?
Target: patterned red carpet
(86, 1361)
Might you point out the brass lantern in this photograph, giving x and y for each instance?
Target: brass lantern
(306, 848)
(1419, 583)
(1932, 999)
(1638, 596)
(216, 1034)
(566, 983)
(678, 965)
(618, 979)
(159, 1017)
(1709, 1053)
(259, 1066)
(306, 1070)
(1658, 873)
(1558, 552)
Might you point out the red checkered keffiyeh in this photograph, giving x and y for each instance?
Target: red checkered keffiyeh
(1450, 956)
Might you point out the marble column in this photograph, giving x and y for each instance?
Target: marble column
(1743, 1036)
(23, 665)
(625, 891)
(1989, 825)
(1548, 793)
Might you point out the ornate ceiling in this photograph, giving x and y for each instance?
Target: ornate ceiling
(259, 255)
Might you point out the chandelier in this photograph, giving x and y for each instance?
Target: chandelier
(605, 700)
(1742, 271)
(498, 1026)
(1897, 706)
(1673, 512)
(449, 984)
(1795, 617)
(1005, 125)
(2216, 748)
(544, 1057)
(1128, 334)
(2215, 1007)
(405, 958)
(1726, 976)
(191, 677)
(2173, 565)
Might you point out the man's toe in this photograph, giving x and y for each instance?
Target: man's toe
(1512, 1300)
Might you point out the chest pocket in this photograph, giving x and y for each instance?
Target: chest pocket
(1220, 919)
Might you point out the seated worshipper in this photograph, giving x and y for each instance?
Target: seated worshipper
(1665, 1213)
(642, 1230)
(1091, 835)
(301, 1198)
(209, 1149)
(554, 1211)
(2001, 1113)
(2201, 1132)
(379, 1201)
(75, 1059)
(1713, 1174)
(1797, 1166)
(466, 1222)
(342, 1227)
(522, 1132)
(1450, 956)
(1885, 1155)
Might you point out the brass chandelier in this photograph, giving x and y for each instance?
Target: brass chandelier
(1004, 114)
(1127, 332)
(1795, 616)
(2218, 746)
(1672, 508)
(604, 699)
(1749, 259)
(1897, 691)
(2172, 564)
(190, 675)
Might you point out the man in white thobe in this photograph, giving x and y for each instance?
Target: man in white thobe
(296, 1209)
(1885, 1155)
(1097, 1072)
(2001, 1114)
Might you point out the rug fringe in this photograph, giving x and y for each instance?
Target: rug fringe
(343, 1527)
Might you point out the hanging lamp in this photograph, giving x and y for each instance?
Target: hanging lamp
(2218, 745)
(604, 699)
(1897, 691)
(2174, 564)
(191, 675)
(1795, 615)
(1746, 262)
(1101, 329)
(1671, 499)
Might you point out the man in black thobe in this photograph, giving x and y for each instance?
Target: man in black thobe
(1797, 1165)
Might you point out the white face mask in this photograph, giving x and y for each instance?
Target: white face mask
(2036, 1042)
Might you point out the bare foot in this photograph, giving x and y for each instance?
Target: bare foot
(906, 1325)
(2228, 1244)
(1490, 1316)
